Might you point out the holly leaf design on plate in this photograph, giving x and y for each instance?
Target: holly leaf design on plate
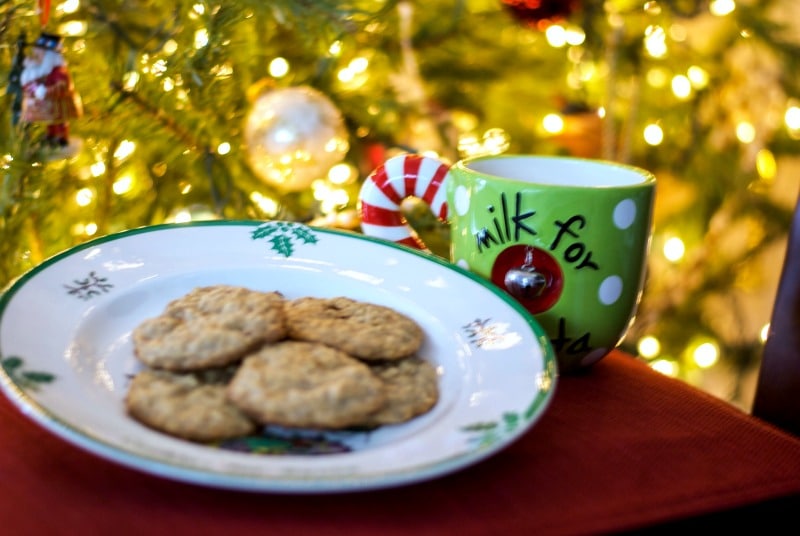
(26, 379)
(284, 236)
(283, 245)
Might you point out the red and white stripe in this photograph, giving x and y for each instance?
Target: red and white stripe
(396, 179)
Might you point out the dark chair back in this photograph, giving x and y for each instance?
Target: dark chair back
(777, 397)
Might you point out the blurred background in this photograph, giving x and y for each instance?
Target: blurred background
(187, 110)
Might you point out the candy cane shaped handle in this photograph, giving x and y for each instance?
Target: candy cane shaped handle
(396, 179)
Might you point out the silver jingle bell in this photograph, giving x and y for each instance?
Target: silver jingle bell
(525, 282)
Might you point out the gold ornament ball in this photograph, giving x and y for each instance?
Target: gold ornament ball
(294, 136)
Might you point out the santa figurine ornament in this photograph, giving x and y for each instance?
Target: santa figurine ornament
(49, 96)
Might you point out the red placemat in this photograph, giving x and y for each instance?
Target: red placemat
(620, 447)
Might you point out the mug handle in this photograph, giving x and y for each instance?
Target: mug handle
(393, 181)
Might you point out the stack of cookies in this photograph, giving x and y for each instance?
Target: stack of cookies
(223, 361)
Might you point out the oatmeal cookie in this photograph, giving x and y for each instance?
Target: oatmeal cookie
(189, 406)
(411, 386)
(210, 327)
(364, 330)
(304, 384)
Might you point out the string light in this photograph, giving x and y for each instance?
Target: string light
(706, 354)
(330, 198)
(159, 67)
(678, 32)
(335, 49)
(698, 76)
(359, 64)
(130, 80)
(792, 118)
(681, 86)
(278, 67)
(170, 47)
(468, 145)
(657, 77)
(69, 6)
(559, 36)
(223, 70)
(648, 347)
(73, 28)
(84, 197)
(200, 38)
(720, 8)
(766, 165)
(655, 41)
(653, 134)
(354, 74)
(342, 174)
(556, 35)
(124, 149)
(493, 141)
(267, 205)
(665, 366)
(553, 123)
(745, 132)
(123, 185)
(652, 8)
(97, 169)
(674, 249)
(575, 36)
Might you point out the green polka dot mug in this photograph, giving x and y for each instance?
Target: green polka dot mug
(567, 237)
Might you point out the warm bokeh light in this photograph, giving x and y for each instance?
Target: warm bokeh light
(130, 80)
(170, 47)
(792, 117)
(653, 134)
(745, 132)
(681, 87)
(342, 174)
(123, 185)
(553, 123)
(556, 35)
(73, 28)
(698, 76)
(97, 169)
(674, 249)
(706, 355)
(200, 38)
(766, 165)
(278, 67)
(84, 197)
(657, 77)
(665, 366)
(575, 36)
(648, 347)
(655, 42)
(69, 6)
(124, 149)
(267, 205)
(335, 49)
(721, 8)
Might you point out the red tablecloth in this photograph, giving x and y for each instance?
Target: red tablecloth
(621, 447)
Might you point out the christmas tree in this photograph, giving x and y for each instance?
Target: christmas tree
(279, 110)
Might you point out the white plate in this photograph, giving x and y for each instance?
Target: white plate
(67, 357)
